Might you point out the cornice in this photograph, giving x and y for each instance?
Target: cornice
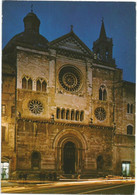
(34, 120)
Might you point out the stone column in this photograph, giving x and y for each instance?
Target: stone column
(89, 87)
(89, 76)
(52, 83)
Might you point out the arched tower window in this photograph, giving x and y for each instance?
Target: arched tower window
(107, 54)
(129, 130)
(102, 93)
(24, 83)
(35, 160)
(131, 108)
(128, 108)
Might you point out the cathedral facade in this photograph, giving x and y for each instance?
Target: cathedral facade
(65, 109)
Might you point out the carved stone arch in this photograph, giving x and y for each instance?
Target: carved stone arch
(65, 133)
(61, 140)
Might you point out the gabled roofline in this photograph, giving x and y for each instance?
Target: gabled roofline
(76, 37)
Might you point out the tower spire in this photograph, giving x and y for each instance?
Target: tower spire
(102, 31)
(31, 8)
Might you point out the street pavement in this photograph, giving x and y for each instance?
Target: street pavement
(90, 186)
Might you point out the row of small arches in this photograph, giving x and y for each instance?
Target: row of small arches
(69, 114)
(27, 83)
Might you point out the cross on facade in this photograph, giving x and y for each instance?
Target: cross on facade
(71, 28)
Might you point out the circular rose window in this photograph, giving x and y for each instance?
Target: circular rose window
(70, 78)
(35, 106)
(100, 113)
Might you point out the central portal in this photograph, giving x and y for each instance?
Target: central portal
(69, 158)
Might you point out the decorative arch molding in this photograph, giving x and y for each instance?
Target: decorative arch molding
(62, 138)
(70, 135)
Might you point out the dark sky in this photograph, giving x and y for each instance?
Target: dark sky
(56, 18)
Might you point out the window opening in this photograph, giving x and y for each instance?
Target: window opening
(44, 85)
(81, 116)
(72, 115)
(127, 108)
(30, 84)
(3, 109)
(77, 115)
(24, 83)
(62, 114)
(67, 114)
(58, 113)
(38, 85)
(102, 93)
(129, 130)
(12, 111)
(107, 53)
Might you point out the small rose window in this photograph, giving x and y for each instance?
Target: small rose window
(35, 106)
(100, 113)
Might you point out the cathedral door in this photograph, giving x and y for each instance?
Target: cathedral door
(69, 158)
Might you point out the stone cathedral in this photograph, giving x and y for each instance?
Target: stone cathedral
(66, 110)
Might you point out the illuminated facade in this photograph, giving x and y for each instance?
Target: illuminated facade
(65, 109)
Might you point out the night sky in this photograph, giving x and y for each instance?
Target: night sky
(56, 18)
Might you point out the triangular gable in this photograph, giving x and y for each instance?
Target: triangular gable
(72, 43)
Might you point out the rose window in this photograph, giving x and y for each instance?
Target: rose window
(100, 113)
(70, 78)
(35, 106)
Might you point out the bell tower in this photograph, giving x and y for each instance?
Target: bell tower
(102, 47)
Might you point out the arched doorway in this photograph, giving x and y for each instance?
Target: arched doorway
(69, 140)
(69, 158)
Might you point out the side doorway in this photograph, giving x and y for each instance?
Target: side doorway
(126, 168)
(5, 170)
